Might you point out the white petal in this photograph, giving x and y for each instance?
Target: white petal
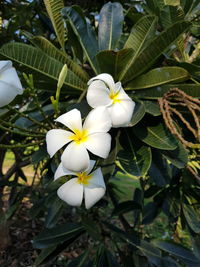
(98, 94)
(62, 171)
(99, 144)
(121, 113)
(98, 120)
(10, 77)
(7, 93)
(71, 192)
(118, 87)
(71, 119)
(56, 139)
(92, 195)
(97, 178)
(5, 64)
(106, 78)
(122, 95)
(75, 157)
(91, 166)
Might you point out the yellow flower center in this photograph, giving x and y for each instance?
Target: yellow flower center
(114, 97)
(79, 136)
(83, 178)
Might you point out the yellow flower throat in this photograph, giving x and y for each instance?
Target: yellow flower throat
(114, 97)
(79, 136)
(83, 178)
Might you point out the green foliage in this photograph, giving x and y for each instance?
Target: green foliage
(111, 18)
(54, 9)
(149, 48)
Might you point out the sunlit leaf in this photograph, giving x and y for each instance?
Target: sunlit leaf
(154, 50)
(54, 8)
(139, 37)
(38, 61)
(159, 76)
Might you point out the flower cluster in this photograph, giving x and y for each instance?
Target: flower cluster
(10, 85)
(112, 107)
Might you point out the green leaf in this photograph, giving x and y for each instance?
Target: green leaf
(160, 171)
(43, 255)
(52, 51)
(88, 224)
(152, 107)
(196, 245)
(191, 217)
(159, 76)
(154, 50)
(178, 157)
(177, 250)
(156, 136)
(113, 62)
(84, 32)
(138, 113)
(156, 92)
(54, 211)
(172, 2)
(54, 8)
(170, 15)
(110, 25)
(134, 158)
(38, 61)
(155, 6)
(139, 37)
(56, 235)
(125, 207)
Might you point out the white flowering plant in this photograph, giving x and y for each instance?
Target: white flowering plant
(106, 111)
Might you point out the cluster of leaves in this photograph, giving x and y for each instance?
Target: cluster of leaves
(150, 47)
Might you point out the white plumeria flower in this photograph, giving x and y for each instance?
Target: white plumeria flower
(103, 91)
(91, 186)
(10, 85)
(91, 136)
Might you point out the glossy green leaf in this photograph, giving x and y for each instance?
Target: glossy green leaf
(54, 8)
(159, 76)
(152, 107)
(56, 235)
(170, 15)
(113, 62)
(160, 171)
(125, 207)
(134, 158)
(178, 157)
(38, 61)
(47, 47)
(139, 37)
(138, 113)
(154, 50)
(196, 245)
(88, 224)
(84, 32)
(110, 25)
(192, 218)
(177, 250)
(54, 212)
(43, 255)
(155, 6)
(156, 92)
(156, 136)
